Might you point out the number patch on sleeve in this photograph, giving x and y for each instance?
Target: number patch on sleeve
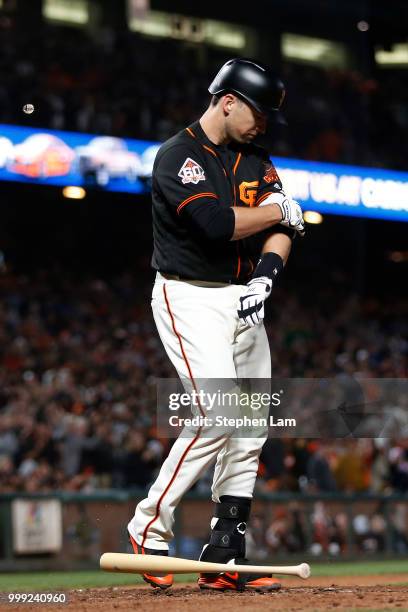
(191, 172)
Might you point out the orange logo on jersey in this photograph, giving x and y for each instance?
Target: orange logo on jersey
(271, 176)
(248, 191)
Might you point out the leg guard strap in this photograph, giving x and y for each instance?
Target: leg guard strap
(223, 539)
(233, 511)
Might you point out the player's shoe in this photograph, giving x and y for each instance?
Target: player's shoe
(161, 582)
(229, 581)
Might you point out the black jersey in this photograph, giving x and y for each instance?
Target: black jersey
(195, 185)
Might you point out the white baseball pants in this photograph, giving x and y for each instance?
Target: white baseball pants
(201, 332)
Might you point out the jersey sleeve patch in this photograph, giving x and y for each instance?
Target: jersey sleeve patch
(271, 176)
(191, 172)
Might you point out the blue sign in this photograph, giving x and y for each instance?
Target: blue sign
(117, 164)
(69, 158)
(346, 190)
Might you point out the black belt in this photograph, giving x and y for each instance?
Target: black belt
(234, 281)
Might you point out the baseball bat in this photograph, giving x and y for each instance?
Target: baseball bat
(139, 564)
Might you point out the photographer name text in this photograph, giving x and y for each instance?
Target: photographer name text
(224, 421)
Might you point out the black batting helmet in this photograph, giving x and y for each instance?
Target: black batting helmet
(252, 81)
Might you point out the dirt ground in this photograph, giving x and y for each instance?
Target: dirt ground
(341, 594)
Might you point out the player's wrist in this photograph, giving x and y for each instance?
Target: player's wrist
(276, 212)
(270, 265)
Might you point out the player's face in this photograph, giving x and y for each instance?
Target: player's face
(244, 122)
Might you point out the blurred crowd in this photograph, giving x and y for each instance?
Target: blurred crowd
(103, 82)
(319, 528)
(329, 529)
(78, 362)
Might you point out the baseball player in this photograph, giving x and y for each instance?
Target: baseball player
(223, 228)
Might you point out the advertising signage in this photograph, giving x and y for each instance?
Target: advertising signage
(52, 157)
(346, 190)
(117, 164)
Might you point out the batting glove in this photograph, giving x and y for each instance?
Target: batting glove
(251, 311)
(292, 215)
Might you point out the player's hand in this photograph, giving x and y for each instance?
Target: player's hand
(292, 215)
(251, 310)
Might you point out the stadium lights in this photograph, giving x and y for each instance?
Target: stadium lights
(192, 29)
(73, 192)
(311, 216)
(397, 56)
(318, 51)
(74, 12)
